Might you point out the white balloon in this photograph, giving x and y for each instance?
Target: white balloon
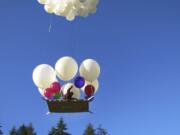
(42, 1)
(76, 91)
(95, 84)
(66, 68)
(49, 9)
(83, 12)
(90, 70)
(41, 91)
(43, 76)
(82, 1)
(70, 17)
(93, 10)
(60, 9)
(56, 80)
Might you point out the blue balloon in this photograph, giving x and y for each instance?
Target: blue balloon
(79, 82)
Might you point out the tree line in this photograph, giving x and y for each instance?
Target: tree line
(59, 129)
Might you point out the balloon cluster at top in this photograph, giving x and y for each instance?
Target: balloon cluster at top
(66, 69)
(70, 8)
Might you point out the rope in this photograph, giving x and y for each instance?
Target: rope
(50, 23)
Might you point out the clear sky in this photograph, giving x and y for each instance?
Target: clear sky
(136, 42)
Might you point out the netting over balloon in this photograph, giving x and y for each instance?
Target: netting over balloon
(66, 97)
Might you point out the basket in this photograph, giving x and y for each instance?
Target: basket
(64, 106)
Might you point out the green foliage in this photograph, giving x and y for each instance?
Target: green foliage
(13, 131)
(101, 131)
(53, 131)
(1, 130)
(23, 130)
(30, 130)
(60, 129)
(89, 130)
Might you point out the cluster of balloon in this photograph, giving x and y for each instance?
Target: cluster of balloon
(53, 92)
(90, 70)
(70, 8)
(66, 68)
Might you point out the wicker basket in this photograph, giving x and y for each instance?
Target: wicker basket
(63, 106)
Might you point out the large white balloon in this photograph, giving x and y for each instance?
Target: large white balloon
(42, 1)
(41, 91)
(66, 68)
(49, 9)
(90, 70)
(43, 76)
(60, 9)
(76, 91)
(95, 84)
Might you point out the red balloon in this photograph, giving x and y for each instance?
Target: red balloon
(56, 87)
(89, 90)
(48, 93)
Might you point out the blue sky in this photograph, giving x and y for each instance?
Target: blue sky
(137, 45)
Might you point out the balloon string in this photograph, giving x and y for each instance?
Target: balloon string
(50, 23)
(50, 26)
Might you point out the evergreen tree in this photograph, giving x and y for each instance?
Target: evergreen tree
(53, 131)
(89, 130)
(30, 130)
(13, 131)
(1, 130)
(61, 129)
(101, 131)
(22, 130)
